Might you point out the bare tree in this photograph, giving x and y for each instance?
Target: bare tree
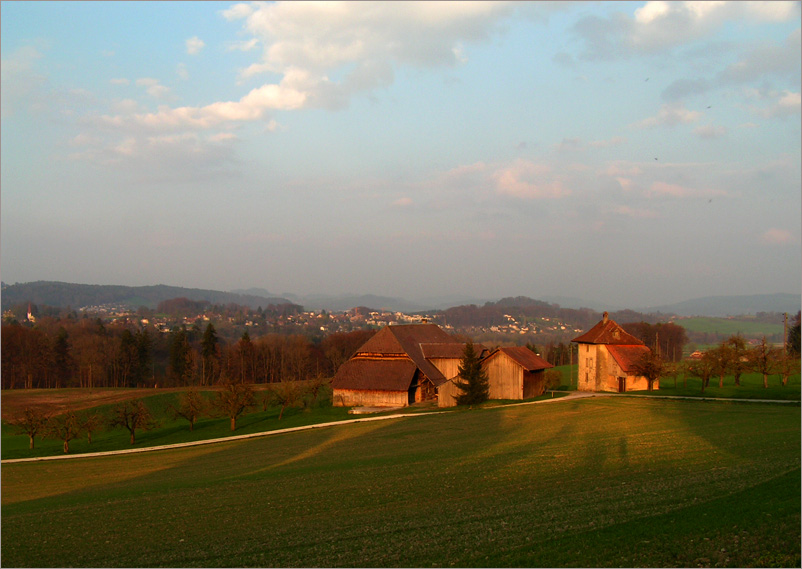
(649, 365)
(702, 368)
(763, 360)
(65, 428)
(286, 394)
(191, 406)
(233, 400)
(133, 415)
(90, 423)
(33, 422)
(738, 354)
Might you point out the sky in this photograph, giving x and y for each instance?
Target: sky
(636, 153)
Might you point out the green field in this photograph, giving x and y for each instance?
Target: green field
(605, 481)
(731, 326)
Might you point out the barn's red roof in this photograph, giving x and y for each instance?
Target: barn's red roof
(453, 350)
(608, 332)
(402, 343)
(524, 357)
(627, 356)
(378, 375)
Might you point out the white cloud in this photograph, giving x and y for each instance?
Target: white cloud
(527, 180)
(153, 87)
(614, 141)
(710, 131)
(119, 81)
(182, 71)
(788, 103)
(360, 42)
(637, 213)
(670, 114)
(775, 236)
(659, 189)
(194, 45)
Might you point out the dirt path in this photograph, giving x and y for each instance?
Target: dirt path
(571, 396)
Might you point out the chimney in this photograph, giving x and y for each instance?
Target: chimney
(605, 317)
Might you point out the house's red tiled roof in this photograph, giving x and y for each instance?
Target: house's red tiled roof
(627, 356)
(608, 332)
(375, 375)
(524, 357)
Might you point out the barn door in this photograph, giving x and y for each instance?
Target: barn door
(413, 388)
(622, 384)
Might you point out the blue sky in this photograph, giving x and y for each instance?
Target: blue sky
(635, 153)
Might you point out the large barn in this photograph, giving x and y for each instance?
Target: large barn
(405, 364)
(607, 355)
(399, 366)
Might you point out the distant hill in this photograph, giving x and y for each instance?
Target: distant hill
(733, 305)
(76, 296)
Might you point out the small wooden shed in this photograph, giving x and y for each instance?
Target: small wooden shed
(512, 373)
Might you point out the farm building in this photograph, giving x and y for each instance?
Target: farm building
(512, 373)
(405, 364)
(607, 355)
(400, 365)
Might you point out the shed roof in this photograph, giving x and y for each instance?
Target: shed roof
(375, 375)
(524, 357)
(627, 356)
(608, 332)
(452, 350)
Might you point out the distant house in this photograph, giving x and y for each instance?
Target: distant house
(607, 356)
(399, 366)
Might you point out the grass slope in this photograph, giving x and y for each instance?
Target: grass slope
(591, 482)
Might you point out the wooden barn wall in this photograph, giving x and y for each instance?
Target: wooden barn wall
(534, 383)
(506, 378)
(366, 398)
(449, 367)
(447, 394)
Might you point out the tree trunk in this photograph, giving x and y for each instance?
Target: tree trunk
(31, 438)
(785, 379)
(66, 447)
(765, 381)
(233, 423)
(721, 381)
(132, 436)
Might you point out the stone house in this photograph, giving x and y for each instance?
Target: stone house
(607, 356)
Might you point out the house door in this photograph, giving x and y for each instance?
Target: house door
(622, 384)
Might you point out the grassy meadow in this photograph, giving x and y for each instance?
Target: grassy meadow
(603, 481)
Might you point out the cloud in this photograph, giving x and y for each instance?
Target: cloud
(119, 81)
(22, 84)
(710, 131)
(182, 72)
(153, 87)
(614, 141)
(403, 202)
(676, 191)
(527, 180)
(194, 45)
(637, 213)
(670, 114)
(776, 236)
(342, 49)
(660, 26)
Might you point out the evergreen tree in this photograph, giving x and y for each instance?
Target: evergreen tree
(473, 383)
(210, 358)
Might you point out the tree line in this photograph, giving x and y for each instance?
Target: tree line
(67, 352)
